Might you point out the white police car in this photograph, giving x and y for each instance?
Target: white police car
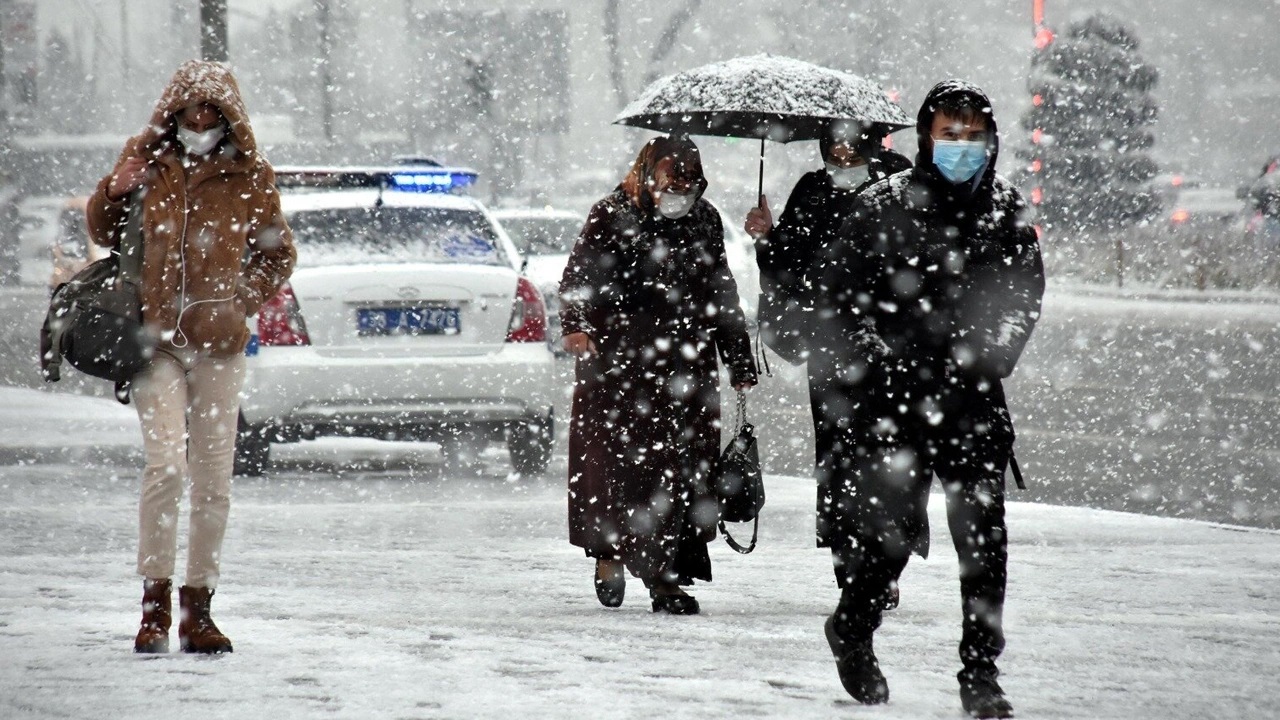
(406, 318)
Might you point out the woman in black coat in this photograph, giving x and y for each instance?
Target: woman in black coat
(648, 304)
(791, 255)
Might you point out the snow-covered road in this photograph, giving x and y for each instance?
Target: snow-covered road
(362, 580)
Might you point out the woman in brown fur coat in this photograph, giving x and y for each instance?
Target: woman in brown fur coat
(215, 248)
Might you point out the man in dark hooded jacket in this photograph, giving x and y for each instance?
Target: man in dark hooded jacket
(929, 298)
(790, 256)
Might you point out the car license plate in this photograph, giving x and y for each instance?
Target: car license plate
(408, 321)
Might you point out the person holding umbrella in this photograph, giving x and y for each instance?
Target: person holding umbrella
(930, 296)
(790, 255)
(648, 303)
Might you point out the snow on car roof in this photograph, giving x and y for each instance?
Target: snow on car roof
(544, 212)
(363, 197)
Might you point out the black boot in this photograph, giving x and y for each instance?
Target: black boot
(858, 667)
(891, 597)
(982, 696)
(611, 589)
(669, 598)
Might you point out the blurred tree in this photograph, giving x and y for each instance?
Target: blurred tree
(1090, 117)
(681, 17)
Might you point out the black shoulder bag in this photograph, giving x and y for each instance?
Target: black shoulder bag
(95, 318)
(738, 485)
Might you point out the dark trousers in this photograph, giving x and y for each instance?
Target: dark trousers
(971, 469)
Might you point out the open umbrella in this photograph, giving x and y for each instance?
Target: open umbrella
(765, 97)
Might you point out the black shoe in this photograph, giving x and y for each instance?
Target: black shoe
(611, 590)
(891, 597)
(859, 670)
(982, 697)
(676, 604)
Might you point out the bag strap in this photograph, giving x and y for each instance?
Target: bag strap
(741, 416)
(1017, 471)
(130, 246)
(56, 325)
(755, 531)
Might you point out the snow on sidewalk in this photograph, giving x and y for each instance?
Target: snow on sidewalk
(419, 594)
(40, 425)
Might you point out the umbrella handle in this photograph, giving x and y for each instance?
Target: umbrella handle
(760, 188)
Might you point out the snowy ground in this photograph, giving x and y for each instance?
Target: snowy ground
(362, 580)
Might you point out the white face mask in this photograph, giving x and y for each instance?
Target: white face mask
(848, 178)
(200, 143)
(675, 205)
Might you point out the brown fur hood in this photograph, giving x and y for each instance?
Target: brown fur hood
(196, 82)
(201, 220)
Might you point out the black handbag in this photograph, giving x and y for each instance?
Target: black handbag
(94, 319)
(738, 485)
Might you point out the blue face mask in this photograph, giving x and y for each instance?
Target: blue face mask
(959, 160)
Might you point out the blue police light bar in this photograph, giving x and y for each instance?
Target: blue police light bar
(400, 178)
(434, 180)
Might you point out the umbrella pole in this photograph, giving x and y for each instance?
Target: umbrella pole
(760, 189)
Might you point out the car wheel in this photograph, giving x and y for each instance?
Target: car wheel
(530, 445)
(253, 450)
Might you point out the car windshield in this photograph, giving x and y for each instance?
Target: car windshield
(373, 235)
(543, 235)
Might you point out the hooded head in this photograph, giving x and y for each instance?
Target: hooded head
(665, 165)
(196, 83)
(966, 104)
(866, 141)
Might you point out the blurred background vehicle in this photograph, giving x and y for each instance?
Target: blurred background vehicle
(1204, 209)
(69, 249)
(545, 236)
(1262, 201)
(740, 251)
(406, 318)
(53, 241)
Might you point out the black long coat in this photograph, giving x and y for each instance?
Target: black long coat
(930, 298)
(791, 260)
(657, 298)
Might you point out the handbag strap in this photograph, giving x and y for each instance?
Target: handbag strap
(130, 246)
(1017, 471)
(755, 531)
(741, 417)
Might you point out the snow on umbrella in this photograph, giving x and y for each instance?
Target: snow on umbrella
(765, 97)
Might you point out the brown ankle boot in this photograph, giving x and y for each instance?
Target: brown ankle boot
(196, 631)
(157, 617)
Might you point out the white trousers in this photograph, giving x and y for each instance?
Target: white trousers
(188, 404)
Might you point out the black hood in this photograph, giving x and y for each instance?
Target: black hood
(948, 89)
